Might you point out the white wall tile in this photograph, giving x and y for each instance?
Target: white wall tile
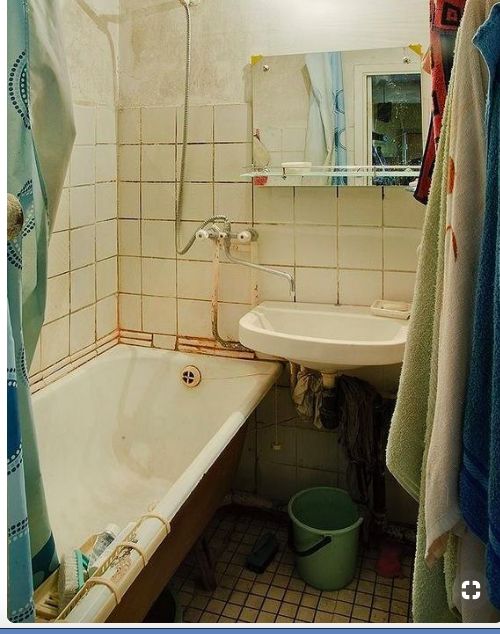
(198, 201)
(316, 285)
(58, 254)
(57, 297)
(158, 125)
(158, 238)
(129, 200)
(400, 249)
(199, 163)
(106, 316)
(272, 287)
(106, 125)
(55, 342)
(231, 159)
(106, 277)
(317, 449)
(106, 239)
(316, 246)
(106, 163)
(194, 318)
(82, 329)
(105, 201)
(82, 287)
(159, 277)
(129, 162)
(399, 286)
(401, 209)
(360, 247)
(359, 288)
(293, 140)
(82, 246)
(82, 165)
(129, 125)
(82, 206)
(200, 124)
(158, 162)
(129, 312)
(159, 315)
(229, 317)
(273, 204)
(194, 280)
(275, 244)
(360, 206)
(234, 200)
(85, 123)
(233, 123)
(158, 201)
(278, 481)
(234, 283)
(201, 249)
(129, 237)
(316, 205)
(61, 222)
(165, 342)
(129, 274)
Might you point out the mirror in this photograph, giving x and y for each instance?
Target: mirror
(339, 118)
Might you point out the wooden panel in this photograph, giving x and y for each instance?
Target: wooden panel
(187, 527)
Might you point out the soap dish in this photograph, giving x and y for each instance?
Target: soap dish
(388, 308)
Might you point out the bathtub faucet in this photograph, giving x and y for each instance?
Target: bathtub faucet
(224, 233)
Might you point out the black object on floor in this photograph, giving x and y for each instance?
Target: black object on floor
(263, 552)
(165, 609)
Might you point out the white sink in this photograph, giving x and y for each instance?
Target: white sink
(323, 337)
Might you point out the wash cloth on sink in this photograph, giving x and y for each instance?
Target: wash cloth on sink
(480, 473)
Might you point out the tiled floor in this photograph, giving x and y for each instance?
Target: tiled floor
(279, 595)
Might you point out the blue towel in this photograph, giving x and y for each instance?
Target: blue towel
(480, 471)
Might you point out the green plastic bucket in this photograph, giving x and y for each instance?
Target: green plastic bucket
(325, 524)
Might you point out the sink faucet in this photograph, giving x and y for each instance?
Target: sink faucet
(215, 232)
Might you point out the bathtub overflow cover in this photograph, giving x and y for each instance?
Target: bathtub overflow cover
(191, 376)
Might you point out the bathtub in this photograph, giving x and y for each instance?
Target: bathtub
(126, 434)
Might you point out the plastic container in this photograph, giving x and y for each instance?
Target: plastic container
(325, 524)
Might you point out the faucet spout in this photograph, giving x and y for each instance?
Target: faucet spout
(259, 267)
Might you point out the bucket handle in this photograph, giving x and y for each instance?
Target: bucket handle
(324, 541)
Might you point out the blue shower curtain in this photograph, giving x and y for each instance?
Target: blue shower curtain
(39, 141)
(326, 127)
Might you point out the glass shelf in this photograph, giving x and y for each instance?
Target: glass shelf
(337, 171)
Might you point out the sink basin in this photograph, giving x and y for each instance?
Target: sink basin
(323, 337)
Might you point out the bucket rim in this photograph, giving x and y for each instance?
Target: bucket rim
(317, 531)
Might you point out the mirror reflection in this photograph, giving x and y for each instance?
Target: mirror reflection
(339, 118)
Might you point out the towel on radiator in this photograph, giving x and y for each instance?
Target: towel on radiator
(462, 227)
(480, 473)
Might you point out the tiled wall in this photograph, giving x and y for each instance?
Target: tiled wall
(347, 245)
(81, 312)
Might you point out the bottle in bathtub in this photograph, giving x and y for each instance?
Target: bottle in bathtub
(102, 541)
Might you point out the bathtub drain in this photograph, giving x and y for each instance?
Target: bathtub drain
(191, 376)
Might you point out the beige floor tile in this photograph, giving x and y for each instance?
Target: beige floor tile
(215, 606)
(254, 601)
(401, 594)
(323, 617)
(382, 591)
(238, 597)
(281, 580)
(341, 607)
(243, 585)
(398, 607)
(305, 614)
(271, 605)
(363, 598)
(361, 612)
(260, 589)
(221, 593)
(231, 610)
(208, 617)
(296, 584)
(309, 601)
(327, 605)
(379, 616)
(192, 615)
(275, 592)
(381, 603)
(346, 595)
(398, 618)
(292, 597)
(339, 618)
(283, 619)
(288, 609)
(249, 615)
(366, 586)
(265, 617)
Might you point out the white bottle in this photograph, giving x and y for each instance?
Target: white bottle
(102, 541)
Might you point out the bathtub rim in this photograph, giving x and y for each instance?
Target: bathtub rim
(99, 602)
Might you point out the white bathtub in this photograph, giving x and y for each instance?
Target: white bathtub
(123, 432)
